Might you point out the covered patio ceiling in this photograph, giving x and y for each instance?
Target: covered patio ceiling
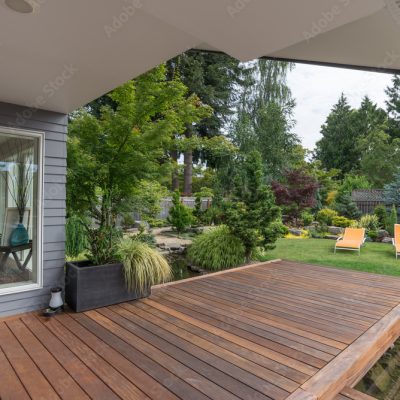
(67, 53)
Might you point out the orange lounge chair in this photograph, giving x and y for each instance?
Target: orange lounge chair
(352, 239)
(396, 239)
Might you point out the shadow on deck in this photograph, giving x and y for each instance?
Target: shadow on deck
(279, 330)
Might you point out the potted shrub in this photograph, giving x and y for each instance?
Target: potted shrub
(110, 151)
(98, 283)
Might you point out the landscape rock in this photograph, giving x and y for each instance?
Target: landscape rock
(335, 230)
(383, 234)
(295, 232)
(331, 237)
(387, 240)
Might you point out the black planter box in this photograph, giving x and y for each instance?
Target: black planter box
(88, 287)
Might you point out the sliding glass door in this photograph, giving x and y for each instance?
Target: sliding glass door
(20, 210)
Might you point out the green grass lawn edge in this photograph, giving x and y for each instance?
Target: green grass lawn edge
(376, 258)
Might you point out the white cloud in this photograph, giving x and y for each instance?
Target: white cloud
(316, 89)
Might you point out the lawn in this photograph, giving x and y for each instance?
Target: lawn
(375, 257)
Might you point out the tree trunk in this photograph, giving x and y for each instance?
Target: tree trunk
(188, 171)
(188, 174)
(175, 178)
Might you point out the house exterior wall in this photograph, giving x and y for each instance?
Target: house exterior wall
(54, 126)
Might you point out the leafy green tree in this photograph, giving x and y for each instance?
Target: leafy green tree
(352, 182)
(251, 213)
(146, 199)
(180, 216)
(337, 149)
(380, 156)
(109, 155)
(265, 116)
(393, 107)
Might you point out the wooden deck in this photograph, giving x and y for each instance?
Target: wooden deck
(275, 331)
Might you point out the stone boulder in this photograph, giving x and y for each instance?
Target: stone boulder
(295, 232)
(331, 237)
(335, 230)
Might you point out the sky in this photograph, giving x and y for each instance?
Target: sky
(316, 89)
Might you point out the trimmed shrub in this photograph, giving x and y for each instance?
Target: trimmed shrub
(217, 249)
(180, 216)
(373, 235)
(392, 220)
(381, 212)
(307, 218)
(143, 265)
(341, 222)
(325, 216)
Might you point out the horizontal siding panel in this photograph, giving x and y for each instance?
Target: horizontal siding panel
(53, 234)
(55, 162)
(58, 255)
(55, 246)
(54, 221)
(55, 179)
(54, 170)
(54, 191)
(54, 204)
(55, 265)
(49, 117)
(56, 136)
(55, 149)
(53, 132)
(54, 212)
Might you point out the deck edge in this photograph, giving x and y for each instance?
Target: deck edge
(226, 271)
(353, 362)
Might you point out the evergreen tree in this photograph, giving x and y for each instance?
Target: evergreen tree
(392, 220)
(337, 147)
(393, 107)
(392, 191)
(213, 78)
(370, 118)
(381, 212)
(180, 216)
(251, 213)
(345, 206)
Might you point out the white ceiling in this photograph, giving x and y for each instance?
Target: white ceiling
(69, 52)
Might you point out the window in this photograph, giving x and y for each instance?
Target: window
(20, 210)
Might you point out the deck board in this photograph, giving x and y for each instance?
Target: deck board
(273, 331)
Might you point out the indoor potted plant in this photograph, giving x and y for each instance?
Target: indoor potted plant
(18, 181)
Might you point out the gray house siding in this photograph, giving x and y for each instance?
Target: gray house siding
(54, 125)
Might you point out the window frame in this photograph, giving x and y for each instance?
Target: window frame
(26, 287)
